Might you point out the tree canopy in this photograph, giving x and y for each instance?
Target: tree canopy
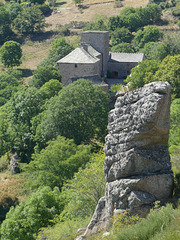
(8, 86)
(11, 54)
(123, 47)
(84, 190)
(57, 163)
(174, 136)
(25, 220)
(30, 20)
(142, 74)
(78, 112)
(60, 48)
(5, 22)
(149, 34)
(169, 71)
(43, 74)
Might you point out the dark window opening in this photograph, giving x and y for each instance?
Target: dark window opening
(75, 65)
(114, 74)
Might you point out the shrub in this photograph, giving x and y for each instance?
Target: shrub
(155, 222)
(25, 220)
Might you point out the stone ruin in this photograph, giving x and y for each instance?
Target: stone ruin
(137, 164)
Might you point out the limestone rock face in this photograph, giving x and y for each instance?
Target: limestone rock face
(137, 163)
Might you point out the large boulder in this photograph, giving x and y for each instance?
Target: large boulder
(137, 164)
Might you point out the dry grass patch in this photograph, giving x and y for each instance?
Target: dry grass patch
(68, 12)
(12, 186)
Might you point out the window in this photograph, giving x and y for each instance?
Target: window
(75, 65)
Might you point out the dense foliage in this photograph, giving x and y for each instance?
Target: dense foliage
(175, 123)
(25, 220)
(78, 112)
(8, 85)
(43, 74)
(11, 53)
(60, 48)
(169, 70)
(5, 24)
(83, 192)
(57, 163)
(142, 74)
(30, 20)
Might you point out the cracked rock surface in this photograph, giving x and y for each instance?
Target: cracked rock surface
(137, 163)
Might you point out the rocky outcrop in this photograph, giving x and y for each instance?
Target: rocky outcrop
(137, 163)
(14, 164)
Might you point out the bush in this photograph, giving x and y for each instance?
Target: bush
(57, 163)
(4, 162)
(44, 74)
(83, 192)
(25, 220)
(63, 230)
(155, 222)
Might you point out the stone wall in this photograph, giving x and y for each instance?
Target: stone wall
(122, 68)
(100, 41)
(79, 70)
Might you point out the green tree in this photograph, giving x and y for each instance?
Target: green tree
(57, 163)
(25, 220)
(115, 22)
(43, 74)
(155, 50)
(143, 73)
(149, 34)
(174, 136)
(84, 190)
(127, 10)
(78, 112)
(50, 88)
(30, 20)
(98, 25)
(23, 106)
(123, 47)
(144, 15)
(5, 143)
(5, 25)
(14, 9)
(60, 48)
(169, 71)
(155, 12)
(8, 86)
(120, 35)
(132, 21)
(11, 54)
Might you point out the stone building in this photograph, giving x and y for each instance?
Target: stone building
(92, 60)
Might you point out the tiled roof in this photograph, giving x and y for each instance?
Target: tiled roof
(79, 55)
(126, 57)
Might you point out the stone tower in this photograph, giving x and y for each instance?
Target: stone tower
(100, 41)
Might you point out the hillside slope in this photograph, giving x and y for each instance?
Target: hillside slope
(67, 11)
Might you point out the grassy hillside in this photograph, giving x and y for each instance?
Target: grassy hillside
(90, 9)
